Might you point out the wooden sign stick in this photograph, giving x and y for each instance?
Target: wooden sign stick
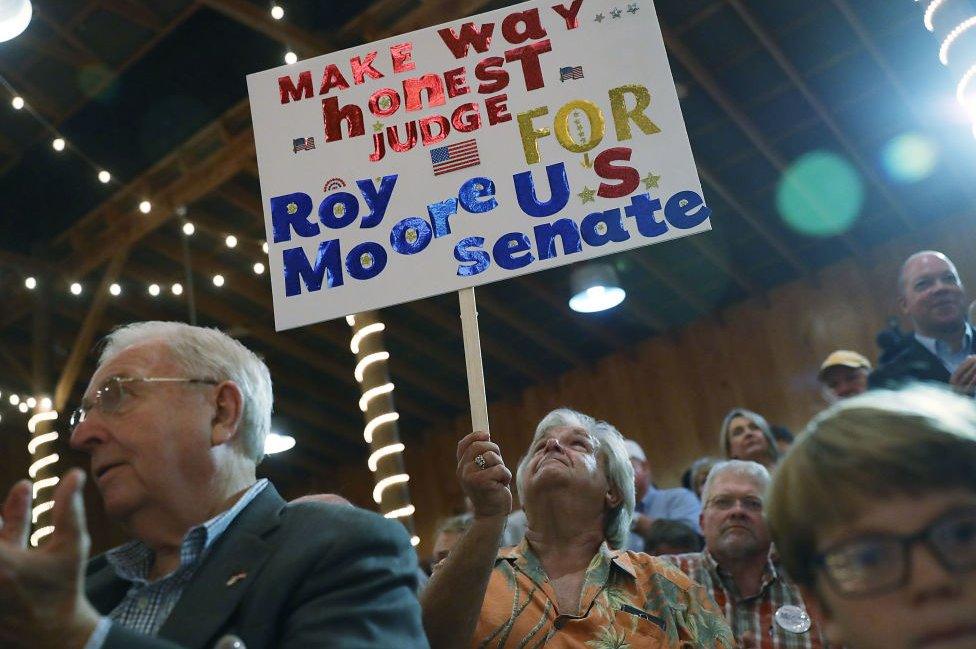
(472, 360)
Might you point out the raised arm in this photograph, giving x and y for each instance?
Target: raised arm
(452, 600)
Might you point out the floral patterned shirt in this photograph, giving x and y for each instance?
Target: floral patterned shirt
(629, 600)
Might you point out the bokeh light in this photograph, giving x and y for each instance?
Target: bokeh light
(820, 194)
(909, 157)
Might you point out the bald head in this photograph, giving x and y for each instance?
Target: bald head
(931, 294)
(922, 257)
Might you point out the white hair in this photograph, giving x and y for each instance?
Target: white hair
(609, 447)
(753, 471)
(210, 354)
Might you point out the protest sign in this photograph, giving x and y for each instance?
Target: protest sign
(490, 147)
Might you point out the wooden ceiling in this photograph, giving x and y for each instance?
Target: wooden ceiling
(155, 92)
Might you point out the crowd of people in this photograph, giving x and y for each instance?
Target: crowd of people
(860, 533)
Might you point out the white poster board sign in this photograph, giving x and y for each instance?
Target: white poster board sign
(486, 148)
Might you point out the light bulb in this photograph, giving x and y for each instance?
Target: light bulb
(58, 144)
(104, 176)
(75, 288)
(218, 280)
(277, 12)
(30, 283)
(177, 289)
(154, 290)
(115, 290)
(17, 103)
(145, 207)
(290, 57)
(231, 241)
(189, 228)
(258, 268)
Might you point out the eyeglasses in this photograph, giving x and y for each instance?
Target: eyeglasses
(110, 397)
(879, 563)
(725, 503)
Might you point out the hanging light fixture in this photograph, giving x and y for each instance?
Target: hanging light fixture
(15, 15)
(595, 288)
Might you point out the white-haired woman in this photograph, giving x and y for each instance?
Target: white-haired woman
(567, 582)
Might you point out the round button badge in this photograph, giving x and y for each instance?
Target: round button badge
(793, 619)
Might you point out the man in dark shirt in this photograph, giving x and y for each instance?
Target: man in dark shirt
(931, 295)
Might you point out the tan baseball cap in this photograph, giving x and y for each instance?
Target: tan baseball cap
(844, 358)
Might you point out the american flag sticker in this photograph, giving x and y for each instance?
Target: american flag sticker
(571, 72)
(452, 157)
(302, 144)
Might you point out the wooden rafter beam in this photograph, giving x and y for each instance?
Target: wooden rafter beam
(89, 328)
(500, 353)
(58, 51)
(138, 13)
(749, 128)
(490, 305)
(779, 56)
(666, 279)
(304, 44)
(59, 117)
(67, 35)
(15, 366)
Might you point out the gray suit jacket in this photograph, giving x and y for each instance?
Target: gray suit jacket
(317, 575)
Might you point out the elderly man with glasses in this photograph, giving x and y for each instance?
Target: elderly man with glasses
(174, 421)
(873, 511)
(738, 566)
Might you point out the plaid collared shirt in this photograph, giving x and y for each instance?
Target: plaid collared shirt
(147, 604)
(754, 614)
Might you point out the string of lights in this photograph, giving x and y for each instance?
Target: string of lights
(40, 447)
(44, 459)
(952, 21)
(380, 432)
(60, 144)
(158, 287)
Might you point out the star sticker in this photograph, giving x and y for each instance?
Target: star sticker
(650, 180)
(632, 8)
(292, 208)
(599, 18)
(587, 195)
(377, 126)
(615, 13)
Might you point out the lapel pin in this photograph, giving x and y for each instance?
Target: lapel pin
(236, 578)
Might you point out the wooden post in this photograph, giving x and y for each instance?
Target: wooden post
(472, 360)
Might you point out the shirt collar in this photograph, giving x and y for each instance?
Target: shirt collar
(133, 560)
(939, 347)
(770, 573)
(527, 561)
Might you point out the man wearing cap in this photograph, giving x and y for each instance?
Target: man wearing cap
(844, 374)
(931, 295)
(653, 504)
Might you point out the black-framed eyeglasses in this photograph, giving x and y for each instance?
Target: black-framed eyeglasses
(110, 397)
(878, 563)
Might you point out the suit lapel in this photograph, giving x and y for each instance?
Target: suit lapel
(225, 575)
